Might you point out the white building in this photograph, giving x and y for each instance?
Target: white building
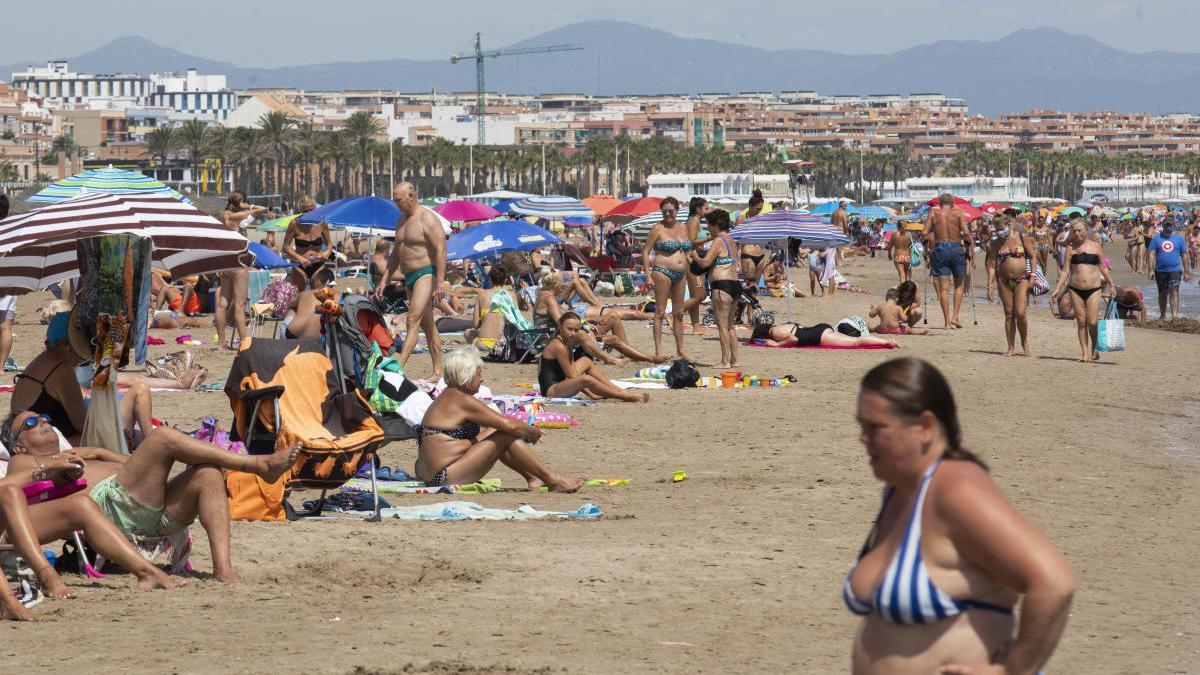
(1137, 188)
(193, 96)
(973, 188)
(250, 111)
(61, 88)
(732, 187)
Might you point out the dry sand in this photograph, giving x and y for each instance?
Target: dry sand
(739, 568)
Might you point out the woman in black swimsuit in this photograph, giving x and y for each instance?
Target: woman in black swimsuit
(462, 439)
(820, 335)
(720, 264)
(308, 245)
(753, 256)
(564, 370)
(1085, 279)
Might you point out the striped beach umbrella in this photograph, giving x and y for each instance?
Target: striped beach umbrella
(811, 230)
(640, 228)
(37, 249)
(554, 207)
(108, 180)
(278, 224)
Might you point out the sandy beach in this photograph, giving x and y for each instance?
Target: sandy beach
(737, 569)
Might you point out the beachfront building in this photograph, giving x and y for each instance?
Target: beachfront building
(192, 96)
(978, 189)
(717, 187)
(1138, 188)
(59, 87)
(252, 109)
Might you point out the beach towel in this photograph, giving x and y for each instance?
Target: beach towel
(416, 487)
(504, 303)
(471, 511)
(759, 343)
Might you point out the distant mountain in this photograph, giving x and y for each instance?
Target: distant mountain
(1042, 68)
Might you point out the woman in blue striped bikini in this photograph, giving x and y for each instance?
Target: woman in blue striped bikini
(670, 244)
(948, 557)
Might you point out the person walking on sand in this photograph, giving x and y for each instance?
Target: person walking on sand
(900, 253)
(841, 220)
(420, 253)
(948, 258)
(1167, 265)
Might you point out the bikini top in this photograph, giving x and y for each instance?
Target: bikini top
(907, 595)
(1017, 254)
(670, 246)
(728, 259)
(464, 432)
(1085, 259)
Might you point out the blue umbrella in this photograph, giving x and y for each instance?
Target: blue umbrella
(504, 206)
(553, 207)
(368, 211)
(828, 208)
(266, 259)
(498, 236)
(872, 212)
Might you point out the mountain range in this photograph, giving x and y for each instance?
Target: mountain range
(1033, 68)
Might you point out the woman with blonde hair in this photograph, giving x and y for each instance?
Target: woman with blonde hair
(462, 438)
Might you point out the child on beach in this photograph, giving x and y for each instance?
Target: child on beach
(891, 317)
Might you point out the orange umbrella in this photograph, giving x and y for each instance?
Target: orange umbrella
(601, 204)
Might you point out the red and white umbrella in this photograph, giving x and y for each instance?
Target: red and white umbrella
(37, 249)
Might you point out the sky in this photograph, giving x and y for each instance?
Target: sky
(272, 33)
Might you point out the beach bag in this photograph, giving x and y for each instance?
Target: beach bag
(1110, 331)
(854, 326)
(1037, 279)
(682, 374)
(914, 255)
(252, 498)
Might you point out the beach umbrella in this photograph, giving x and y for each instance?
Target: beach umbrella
(108, 180)
(871, 212)
(602, 204)
(992, 208)
(811, 230)
(505, 206)
(634, 208)
(1072, 211)
(498, 236)
(825, 208)
(266, 259)
(37, 249)
(365, 211)
(963, 205)
(278, 224)
(640, 228)
(552, 207)
(467, 212)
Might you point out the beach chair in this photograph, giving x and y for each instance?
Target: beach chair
(286, 392)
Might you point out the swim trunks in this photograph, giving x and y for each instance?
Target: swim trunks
(898, 330)
(1168, 281)
(411, 278)
(948, 259)
(132, 517)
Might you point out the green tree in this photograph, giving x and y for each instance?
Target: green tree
(194, 135)
(162, 142)
(362, 127)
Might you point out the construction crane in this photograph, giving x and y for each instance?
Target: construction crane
(480, 55)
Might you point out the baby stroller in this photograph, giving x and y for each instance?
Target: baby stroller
(747, 303)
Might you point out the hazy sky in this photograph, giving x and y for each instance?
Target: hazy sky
(276, 32)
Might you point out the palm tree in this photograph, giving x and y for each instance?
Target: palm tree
(193, 135)
(276, 129)
(223, 147)
(362, 127)
(8, 170)
(161, 142)
(337, 150)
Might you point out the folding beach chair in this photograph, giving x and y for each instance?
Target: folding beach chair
(285, 392)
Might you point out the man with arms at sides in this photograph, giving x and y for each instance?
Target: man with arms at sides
(948, 257)
(841, 221)
(1168, 264)
(420, 253)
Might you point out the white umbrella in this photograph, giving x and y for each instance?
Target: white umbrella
(37, 249)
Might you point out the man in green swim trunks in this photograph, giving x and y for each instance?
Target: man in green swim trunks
(420, 253)
(137, 491)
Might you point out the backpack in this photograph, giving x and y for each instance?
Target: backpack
(914, 255)
(682, 374)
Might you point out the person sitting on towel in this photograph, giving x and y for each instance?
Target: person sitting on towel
(462, 438)
(138, 493)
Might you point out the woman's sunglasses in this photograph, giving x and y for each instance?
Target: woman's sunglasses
(31, 422)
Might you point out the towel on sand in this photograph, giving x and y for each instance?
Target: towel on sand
(758, 343)
(473, 511)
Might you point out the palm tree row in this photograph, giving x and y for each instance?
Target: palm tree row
(282, 157)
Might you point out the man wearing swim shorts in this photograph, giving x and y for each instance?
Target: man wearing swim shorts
(948, 259)
(420, 253)
(1169, 262)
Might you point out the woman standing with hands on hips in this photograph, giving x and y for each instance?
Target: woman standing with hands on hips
(948, 557)
(669, 242)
